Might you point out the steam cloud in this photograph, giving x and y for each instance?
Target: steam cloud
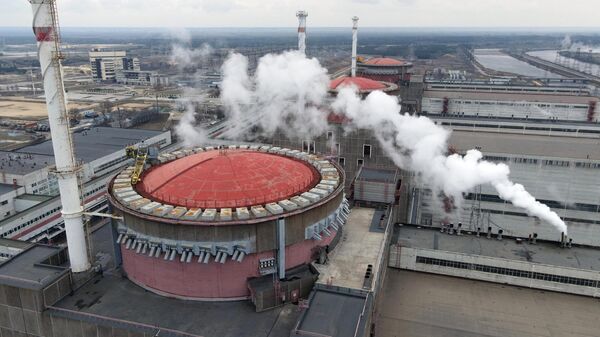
(417, 144)
(566, 42)
(185, 57)
(284, 93)
(288, 92)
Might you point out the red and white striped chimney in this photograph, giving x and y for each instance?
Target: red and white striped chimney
(302, 31)
(354, 42)
(45, 28)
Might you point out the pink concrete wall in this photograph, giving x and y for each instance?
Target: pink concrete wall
(207, 281)
(385, 78)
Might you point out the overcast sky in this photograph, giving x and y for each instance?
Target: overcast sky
(322, 13)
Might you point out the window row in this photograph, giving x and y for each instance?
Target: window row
(309, 146)
(562, 163)
(509, 272)
(110, 164)
(514, 104)
(88, 193)
(30, 222)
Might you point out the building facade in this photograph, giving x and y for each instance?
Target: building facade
(31, 206)
(107, 64)
(510, 104)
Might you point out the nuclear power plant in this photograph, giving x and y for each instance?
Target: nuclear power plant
(343, 222)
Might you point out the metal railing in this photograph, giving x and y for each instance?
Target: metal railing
(120, 323)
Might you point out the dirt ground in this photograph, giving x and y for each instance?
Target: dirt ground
(33, 110)
(156, 125)
(134, 105)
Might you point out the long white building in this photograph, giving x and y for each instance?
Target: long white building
(529, 105)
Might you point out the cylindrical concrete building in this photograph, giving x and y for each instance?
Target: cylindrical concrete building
(385, 69)
(361, 84)
(204, 221)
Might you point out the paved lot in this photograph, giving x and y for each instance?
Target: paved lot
(115, 297)
(424, 305)
(357, 248)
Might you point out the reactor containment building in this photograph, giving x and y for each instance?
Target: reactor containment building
(203, 222)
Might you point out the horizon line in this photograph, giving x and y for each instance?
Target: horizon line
(349, 27)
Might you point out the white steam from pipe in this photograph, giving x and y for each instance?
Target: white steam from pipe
(288, 93)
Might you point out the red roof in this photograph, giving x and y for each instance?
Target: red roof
(384, 61)
(237, 178)
(363, 84)
(337, 119)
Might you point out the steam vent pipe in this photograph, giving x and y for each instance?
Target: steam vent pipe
(302, 31)
(354, 42)
(45, 28)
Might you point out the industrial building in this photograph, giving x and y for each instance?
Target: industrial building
(141, 78)
(469, 284)
(99, 150)
(338, 276)
(547, 135)
(30, 206)
(385, 69)
(562, 172)
(542, 103)
(228, 215)
(311, 250)
(107, 64)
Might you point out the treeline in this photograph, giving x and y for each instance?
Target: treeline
(409, 51)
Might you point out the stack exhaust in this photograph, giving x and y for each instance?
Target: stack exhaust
(302, 31)
(46, 30)
(354, 42)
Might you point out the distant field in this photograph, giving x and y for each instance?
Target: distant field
(16, 109)
(19, 108)
(134, 106)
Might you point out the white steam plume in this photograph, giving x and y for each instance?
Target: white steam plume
(185, 57)
(417, 144)
(191, 134)
(566, 42)
(287, 90)
(284, 94)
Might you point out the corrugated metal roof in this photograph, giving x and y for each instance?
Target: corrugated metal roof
(525, 144)
(96, 142)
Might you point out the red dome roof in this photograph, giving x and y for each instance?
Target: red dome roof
(363, 84)
(238, 178)
(384, 61)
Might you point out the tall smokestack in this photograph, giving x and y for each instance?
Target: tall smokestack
(302, 31)
(354, 42)
(46, 30)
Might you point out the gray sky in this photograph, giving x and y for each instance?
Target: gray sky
(322, 13)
